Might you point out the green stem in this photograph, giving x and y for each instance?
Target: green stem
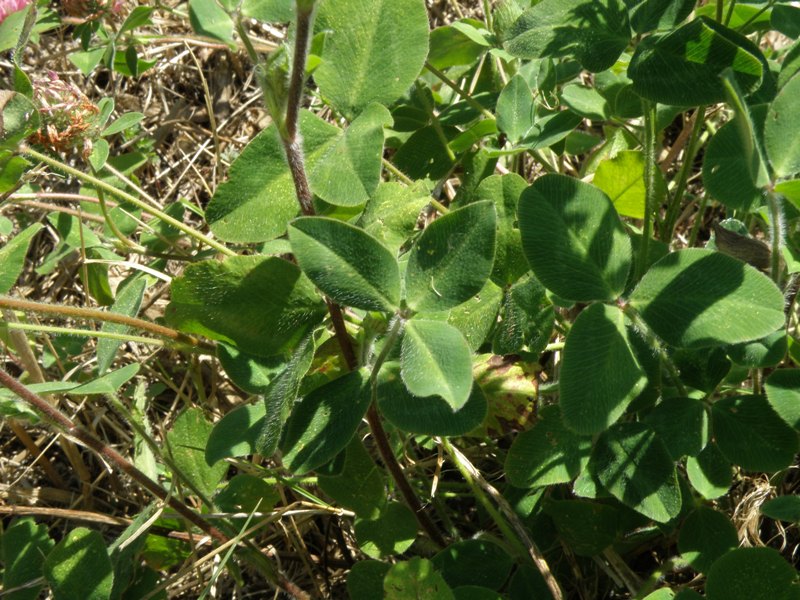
(101, 197)
(6, 302)
(774, 201)
(698, 221)
(650, 186)
(437, 126)
(683, 177)
(506, 519)
(465, 95)
(397, 172)
(122, 195)
(653, 341)
(728, 16)
(293, 146)
(85, 332)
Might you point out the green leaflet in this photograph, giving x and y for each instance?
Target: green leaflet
(546, 454)
(431, 415)
(12, 257)
(346, 263)
(79, 566)
(374, 51)
(698, 298)
(573, 239)
(187, 442)
(683, 68)
(633, 464)
(436, 361)
(600, 375)
(783, 116)
(452, 259)
(751, 574)
(594, 31)
(752, 435)
(258, 198)
(323, 423)
(705, 535)
(259, 304)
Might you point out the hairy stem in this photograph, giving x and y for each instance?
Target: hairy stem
(93, 314)
(650, 186)
(293, 146)
(683, 177)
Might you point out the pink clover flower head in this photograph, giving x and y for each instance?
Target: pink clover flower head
(8, 7)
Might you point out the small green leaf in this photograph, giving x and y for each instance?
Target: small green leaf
(432, 415)
(323, 423)
(573, 239)
(236, 433)
(281, 393)
(783, 117)
(187, 442)
(710, 473)
(365, 579)
(476, 317)
(622, 178)
(127, 302)
(752, 435)
(259, 304)
(269, 11)
(682, 424)
(683, 67)
(251, 373)
(527, 319)
(647, 15)
(786, 19)
(258, 199)
(633, 464)
(504, 191)
(392, 213)
(360, 485)
(451, 47)
(24, 546)
(596, 32)
(692, 298)
(415, 579)
(349, 170)
(782, 508)
(110, 383)
(783, 394)
(208, 18)
(587, 527)
(124, 122)
(515, 109)
(600, 375)
(436, 361)
(546, 454)
(474, 562)
(706, 535)
(12, 257)
(18, 119)
(452, 259)
(751, 574)
(391, 532)
(346, 263)
(247, 493)
(79, 567)
(759, 354)
(368, 56)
